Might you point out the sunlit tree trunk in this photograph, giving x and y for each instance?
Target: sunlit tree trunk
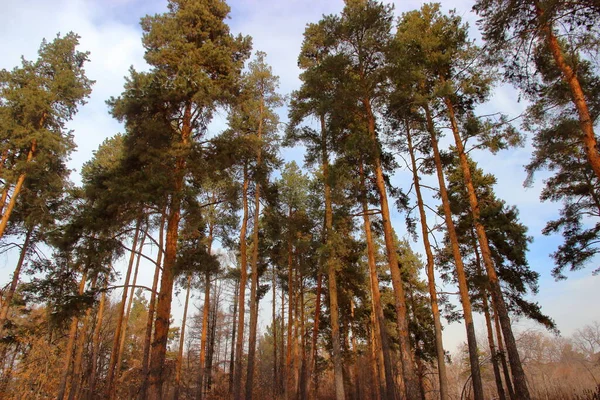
(18, 186)
(519, 379)
(460, 269)
(182, 339)
(313, 375)
(377, 382)
(68, 357)
(331, 276)
(254, 284)
(303, 369)
(383, 340)
(96, 345)
(501, 356)
(210, 351)
(289, 382)
(586, 122)
(151, 309)
(439, 344)
(7, 301)
(4, 196)
(205, 314)
(129, 305)
(274, 327)
(236, 289)
(165, 296)
(409, 374)
(112, 375)
(239, 346)
(75, 391)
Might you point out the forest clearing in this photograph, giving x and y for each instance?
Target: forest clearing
(346, 226)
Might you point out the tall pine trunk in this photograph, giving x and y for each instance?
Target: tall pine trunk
(77, 379)
(96, 345)
(182, 339)
(236, 289)
(15, 280)
(129, 305)
(519, 380)
(151, 309)
(501, 356)
(19, 185)
(586, 123)
(331, 275)
(274, 327)
(312, 368)
(112, 374)
(205, 324)
(68, 359)
(377, 382)
(460, 269)
(439, 344)
(239, 345)
(411, 381)
(165, 296)
(289, 379)
(380, 329)
(254, 284)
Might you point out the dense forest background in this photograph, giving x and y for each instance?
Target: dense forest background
(239, 233)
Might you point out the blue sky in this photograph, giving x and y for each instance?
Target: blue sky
(110, 30)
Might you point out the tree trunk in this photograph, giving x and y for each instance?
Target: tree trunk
(411, 382)
(493, 353)
(74, 392)
(182, 339)
(274, 327)
(377, 361)
(15, 280)
(505, 370)
(289, 379)
(151, 309)
(165, 296)
(205, 312)
(17, 190)
(254, 284)
(519, 380)
(96, 344)
(4, 197)
(380, 329)
(488, 322)
(211, 342)
(355, 373)
(303, 370)
(586, 123)
(112, 375)
(239, 345)
(332, 283)
(67, 369)
(282, 358)
(129, 305)
(312, 373)
(460, 270)
(439, 344)
(232, 355)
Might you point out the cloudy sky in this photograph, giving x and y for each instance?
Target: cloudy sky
(110, 30)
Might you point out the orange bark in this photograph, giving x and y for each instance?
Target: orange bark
(239, 345)
(519, 380)
(439, 344)
(16, 191)
(460, 269)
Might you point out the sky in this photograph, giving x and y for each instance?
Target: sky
(110, 31)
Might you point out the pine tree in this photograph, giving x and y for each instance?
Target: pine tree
(195, 66)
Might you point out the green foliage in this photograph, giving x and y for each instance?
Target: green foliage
(508, 242)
